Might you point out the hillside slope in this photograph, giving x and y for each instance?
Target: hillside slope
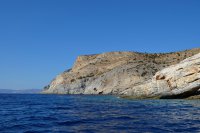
(114, 72)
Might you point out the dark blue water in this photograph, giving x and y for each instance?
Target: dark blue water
(62, 113)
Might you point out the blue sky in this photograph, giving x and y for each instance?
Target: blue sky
(41, 38)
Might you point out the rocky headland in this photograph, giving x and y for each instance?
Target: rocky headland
(132, 74)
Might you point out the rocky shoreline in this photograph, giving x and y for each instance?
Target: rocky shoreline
(132, 75)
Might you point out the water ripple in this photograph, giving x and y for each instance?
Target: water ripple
(62, 113)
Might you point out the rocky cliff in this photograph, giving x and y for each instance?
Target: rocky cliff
(129, 74)
(177, 81)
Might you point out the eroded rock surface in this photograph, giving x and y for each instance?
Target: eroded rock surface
(177, 81)
(129, 74)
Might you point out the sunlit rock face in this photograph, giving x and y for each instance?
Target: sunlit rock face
(125, 73)
(177, 81)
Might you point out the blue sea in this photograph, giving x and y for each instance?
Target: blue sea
(34, 113)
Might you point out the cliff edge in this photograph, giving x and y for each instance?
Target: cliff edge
(130, 74)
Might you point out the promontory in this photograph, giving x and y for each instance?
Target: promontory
(132, 74)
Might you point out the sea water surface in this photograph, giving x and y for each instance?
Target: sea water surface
(78, 113)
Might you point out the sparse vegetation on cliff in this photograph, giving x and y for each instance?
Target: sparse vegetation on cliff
(112, 73)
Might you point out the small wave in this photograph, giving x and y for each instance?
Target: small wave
(70, 123)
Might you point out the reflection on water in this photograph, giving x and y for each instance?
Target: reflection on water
(62, 113)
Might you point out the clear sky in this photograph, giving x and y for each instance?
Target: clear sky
(41, 38)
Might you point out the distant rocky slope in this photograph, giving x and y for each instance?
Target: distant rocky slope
(130, 74)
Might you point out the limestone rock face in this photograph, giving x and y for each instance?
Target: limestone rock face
(127, 73)
(177, 81)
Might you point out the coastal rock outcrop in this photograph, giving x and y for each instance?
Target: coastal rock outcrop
(130, 74)
(177, 81)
